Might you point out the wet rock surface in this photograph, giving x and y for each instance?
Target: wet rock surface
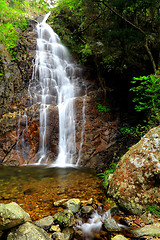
(135, 183)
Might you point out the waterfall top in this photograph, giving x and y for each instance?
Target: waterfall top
(46, 17)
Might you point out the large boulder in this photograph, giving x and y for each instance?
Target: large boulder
(135, 184)
(28, 231)
(12, 215)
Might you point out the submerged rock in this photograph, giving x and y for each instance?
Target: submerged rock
(73, 205)
(12, 215)
(136, 181)
(45, 223)
(28, 231)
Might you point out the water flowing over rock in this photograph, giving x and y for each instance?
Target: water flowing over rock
(135, 184)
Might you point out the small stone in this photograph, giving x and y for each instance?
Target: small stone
(68, 233)
(111, 225)
(73, 205)
(58, 236)
(64, 218)
(45, 223)
(88, 202)
(55, 228)
(147, 218)
(87, 209)
(119, 237)
(60, 202)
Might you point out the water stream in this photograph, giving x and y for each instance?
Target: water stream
(55, 83)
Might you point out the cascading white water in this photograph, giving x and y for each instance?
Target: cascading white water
(53, 82)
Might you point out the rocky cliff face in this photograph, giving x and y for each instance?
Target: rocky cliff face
(14, 79)
(135, 184)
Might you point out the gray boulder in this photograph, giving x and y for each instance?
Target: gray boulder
(11, 215)
(28, 231)
(45, 223)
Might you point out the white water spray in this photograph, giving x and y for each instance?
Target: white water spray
(53, 83)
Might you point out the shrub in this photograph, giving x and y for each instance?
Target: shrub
(147, 97)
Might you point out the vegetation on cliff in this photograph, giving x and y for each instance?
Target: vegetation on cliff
(14, 14)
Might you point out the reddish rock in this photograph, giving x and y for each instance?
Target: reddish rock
(100, 133)
(136, 181)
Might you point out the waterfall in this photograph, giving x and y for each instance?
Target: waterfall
(54, 82)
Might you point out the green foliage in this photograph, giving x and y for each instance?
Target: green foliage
(13, 15)
(137, 131)
(147, 97)
(154, 209)
(87, 50)
(105, 175)
(102, 108)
